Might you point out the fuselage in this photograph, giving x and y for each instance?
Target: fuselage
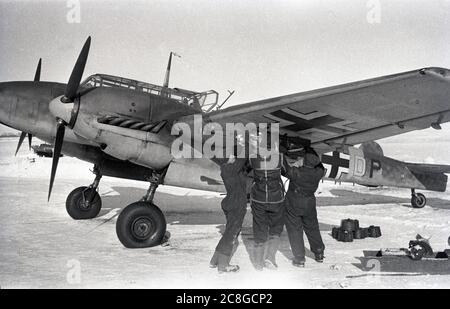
(123, 151)
(373, 169)
(24, 106)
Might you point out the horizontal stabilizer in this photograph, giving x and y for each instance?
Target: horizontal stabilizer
(428, 168)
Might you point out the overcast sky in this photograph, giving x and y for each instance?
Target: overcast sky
(258, 48)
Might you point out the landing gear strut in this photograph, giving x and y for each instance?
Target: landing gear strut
(85, 202)
(142, 224)
(418, 200)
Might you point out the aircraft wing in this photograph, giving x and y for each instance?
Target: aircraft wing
(336, 117)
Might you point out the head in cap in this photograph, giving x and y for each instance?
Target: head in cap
(295, 155)
(293, 151)
(299, 157)
(311, 160)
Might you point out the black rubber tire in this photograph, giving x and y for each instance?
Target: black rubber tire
(74, 204)
(418, 200)
(417, 253)
(141, 225)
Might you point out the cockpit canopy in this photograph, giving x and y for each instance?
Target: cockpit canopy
(207, 100)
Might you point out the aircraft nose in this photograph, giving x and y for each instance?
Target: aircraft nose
(24, 105)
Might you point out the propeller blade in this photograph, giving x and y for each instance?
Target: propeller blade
(60, 130)
(37, 75)
(30, 138)
(77, 73)
(21, 138)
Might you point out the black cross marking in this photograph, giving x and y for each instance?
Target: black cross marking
(335, 161)
(300, 124)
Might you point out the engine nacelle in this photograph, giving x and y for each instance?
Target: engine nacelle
(108, 165)
(140, 147)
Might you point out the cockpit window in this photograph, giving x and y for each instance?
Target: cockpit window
(206, 101)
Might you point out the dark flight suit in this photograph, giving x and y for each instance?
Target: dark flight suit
(267, 200)
(301, 213)
(234, 205)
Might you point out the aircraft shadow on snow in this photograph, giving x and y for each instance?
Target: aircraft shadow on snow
(197, 209)
(346, 197)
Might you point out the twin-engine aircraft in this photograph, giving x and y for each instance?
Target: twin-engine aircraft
(123, 127)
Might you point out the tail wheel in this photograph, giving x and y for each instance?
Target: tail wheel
(81, 204)
(418, 200)
(417, 253)
(141, 225)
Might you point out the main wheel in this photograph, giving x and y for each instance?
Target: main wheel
(418, 200)
(417, 253)
(141, 225)
(77, 206)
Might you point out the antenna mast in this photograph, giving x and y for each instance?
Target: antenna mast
(169, 64)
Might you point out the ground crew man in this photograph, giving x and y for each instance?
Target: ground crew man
(267, 203)
(304, 171)
(234, 205)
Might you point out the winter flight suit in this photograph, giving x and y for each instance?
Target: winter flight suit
(267, 203)
(300, 204)
(267, 198)
(234, 205)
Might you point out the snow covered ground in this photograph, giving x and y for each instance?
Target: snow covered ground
(42, 247)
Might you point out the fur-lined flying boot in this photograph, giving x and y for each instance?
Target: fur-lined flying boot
(224, 266)
(271, 250)
(319, 257)
(299, 262)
